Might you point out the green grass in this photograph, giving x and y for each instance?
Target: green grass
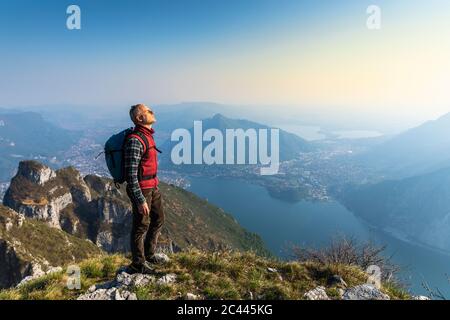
(54, 286)
(219, 275)
(36, 237)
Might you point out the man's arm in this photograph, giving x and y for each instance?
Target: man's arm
(133, 154)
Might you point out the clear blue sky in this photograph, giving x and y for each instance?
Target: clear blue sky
(288, 52)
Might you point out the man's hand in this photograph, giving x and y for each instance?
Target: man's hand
(143, 209)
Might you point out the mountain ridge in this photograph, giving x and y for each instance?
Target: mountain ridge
(198, 275)
(25, 135)
(290, 145)
(419, 150)
(416, 207)
(91, 207)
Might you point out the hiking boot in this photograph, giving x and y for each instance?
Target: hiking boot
(144, 268)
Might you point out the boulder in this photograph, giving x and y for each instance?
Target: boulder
(364, 292)
(317, 294)
(161, 258)
(191, 296)
(420, 298)
(109, 294)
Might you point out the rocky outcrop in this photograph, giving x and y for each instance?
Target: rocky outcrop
(46, 210)
(105, 240)
(29, 248)
(37, 273)
(35, 193)
(35, 172)
(361, 292)
(91, 207)
(63, 199)
(12, 268)
(122, 287)
(81, 193)
(364, 292)
(110, 211)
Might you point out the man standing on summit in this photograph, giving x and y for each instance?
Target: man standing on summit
(141, 166)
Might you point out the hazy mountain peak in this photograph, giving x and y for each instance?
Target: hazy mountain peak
(219, 116)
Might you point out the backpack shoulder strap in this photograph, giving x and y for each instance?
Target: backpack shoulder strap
(142, 139)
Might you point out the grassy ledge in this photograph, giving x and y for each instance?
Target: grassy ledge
(210, 275)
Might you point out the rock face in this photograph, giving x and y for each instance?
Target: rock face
(37, 273)
(12, 268)
(63, 199)
(36, 172)
(48, 211)
(112, 212)
(29, 248)
(364, 292)
(81, 193)
(45, 205)
(91, 207)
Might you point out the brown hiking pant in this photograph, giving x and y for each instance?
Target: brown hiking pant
(146, 228)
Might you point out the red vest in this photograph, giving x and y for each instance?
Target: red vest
(148, 167)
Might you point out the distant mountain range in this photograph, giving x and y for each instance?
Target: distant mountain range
(419, 150)
(25, 135)
(415, 208)
(412, 200)
(290, 145)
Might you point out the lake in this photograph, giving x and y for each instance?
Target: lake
(282, 224)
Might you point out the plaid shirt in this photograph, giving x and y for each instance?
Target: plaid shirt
(133, 154)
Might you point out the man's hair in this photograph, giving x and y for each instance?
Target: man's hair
(134, 111)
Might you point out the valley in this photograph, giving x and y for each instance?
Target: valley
(325, 180)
